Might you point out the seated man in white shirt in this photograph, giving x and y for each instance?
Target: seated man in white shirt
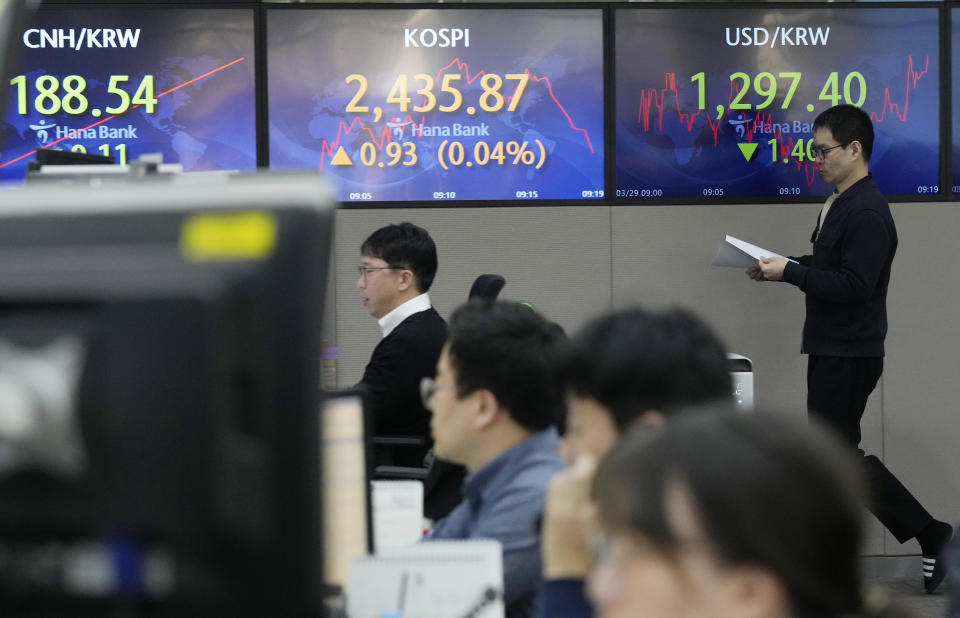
(397, 266)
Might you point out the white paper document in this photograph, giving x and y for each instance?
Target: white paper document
(736, 253)
(435, 579)
(397, 513)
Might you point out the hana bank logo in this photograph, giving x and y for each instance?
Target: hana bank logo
(739, 124)
(42, 129)
(397, 127)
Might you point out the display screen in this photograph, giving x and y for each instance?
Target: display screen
(955, 28)
(713, 104)
(440, 104)
(128, 82)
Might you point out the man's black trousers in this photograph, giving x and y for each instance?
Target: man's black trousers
(837, 392)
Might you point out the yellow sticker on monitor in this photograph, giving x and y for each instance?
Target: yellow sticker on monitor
(228, 236)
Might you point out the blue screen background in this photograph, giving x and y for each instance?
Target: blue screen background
(311, 53)
(207, 125)
(692, 154)
(955, 21)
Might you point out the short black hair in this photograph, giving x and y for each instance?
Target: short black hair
(507, 348)
(768, 491)
(405, 246)
(635, 360)
(848, 124)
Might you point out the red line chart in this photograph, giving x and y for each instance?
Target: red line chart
(653, 106)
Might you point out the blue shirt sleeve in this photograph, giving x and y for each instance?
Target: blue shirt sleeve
(564, 598)
(513, 522)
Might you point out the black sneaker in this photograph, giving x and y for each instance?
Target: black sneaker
(934, 570)
(934, 539)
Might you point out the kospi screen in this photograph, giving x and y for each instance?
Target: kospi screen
(955, 29)
(126, 82)
(713, 104)
(424, 105)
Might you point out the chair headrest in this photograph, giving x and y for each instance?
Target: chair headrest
(487, 287)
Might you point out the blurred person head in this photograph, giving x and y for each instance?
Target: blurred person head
(397, 263)
(729, 516)
(495, 384)
(637, 365)
(953, 559)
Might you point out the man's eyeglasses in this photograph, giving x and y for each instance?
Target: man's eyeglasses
(363, 271)
(819, 152)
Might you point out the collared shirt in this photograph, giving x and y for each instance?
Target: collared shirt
(823, 213)
(503, 500)
(414, 305)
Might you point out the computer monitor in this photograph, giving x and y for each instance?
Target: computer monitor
(51, 156)
(13, 15)
(159, 361)
(517, 111)
(346, 465)
(128, 79)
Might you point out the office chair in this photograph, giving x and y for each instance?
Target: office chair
(487, 287)
(441, 480)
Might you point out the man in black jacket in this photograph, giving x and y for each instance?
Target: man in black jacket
(397, 266)
(845, 282)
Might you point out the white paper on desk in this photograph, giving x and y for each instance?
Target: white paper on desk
(736, 253)
(397, 513)
(435, 579)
